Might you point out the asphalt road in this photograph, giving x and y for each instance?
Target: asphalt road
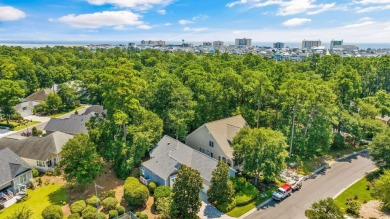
(328, 184)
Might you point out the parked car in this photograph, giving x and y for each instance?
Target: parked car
(282, 192)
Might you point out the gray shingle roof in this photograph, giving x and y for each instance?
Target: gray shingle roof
(40, 95)
(169, 152)
(224, 131)
(73, 125)
(10, 165)
(36, 148)
(97, 109)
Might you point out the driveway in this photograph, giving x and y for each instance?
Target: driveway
(209, 211)
(328, 184)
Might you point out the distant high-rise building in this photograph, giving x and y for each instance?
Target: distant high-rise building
(207, 44)
(278, 45)
(152, 43)
(335, 43)
(243, 42)
(308, 44)
(131, 44)
(218, 44)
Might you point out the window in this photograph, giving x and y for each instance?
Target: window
(211, 144)
(219, 158)
(23, 178)
(40, 163)
(211, 154)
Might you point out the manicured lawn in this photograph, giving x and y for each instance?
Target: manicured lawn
(358, 189)
(63, 113)
(20, 127)
(39, 199)
(238, 211)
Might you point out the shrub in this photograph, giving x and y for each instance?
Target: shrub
(39, 181)
(121, 210)
(353, 207)
(78, 206)
(74, 216)
(225, 207)
(110, 193)
(52, 212)
(152, 186)
(110, 203)
(92, 201)
(35, 172)
(49, 173)
(31, 184)
(140, 215)
(135, 193)
(101, 215)
(89, 212)
(245, 192)
(112, 214)
(161, 192)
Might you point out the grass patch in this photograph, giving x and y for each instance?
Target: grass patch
(39, 199)
(358, 190)
(63, 113)
(21, 127)
(241, 210)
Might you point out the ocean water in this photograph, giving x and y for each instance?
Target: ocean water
(39, 44)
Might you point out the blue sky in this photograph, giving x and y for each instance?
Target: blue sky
(364, 21)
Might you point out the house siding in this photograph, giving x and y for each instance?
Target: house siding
(148, 174)
(17, 180)
(200, 138)
(34, 164)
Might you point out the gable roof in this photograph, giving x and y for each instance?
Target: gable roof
(40, 95)
(36, 148)
(73, 125)
(97, 109)
(169, 153)
(10, 165)
(224, 130)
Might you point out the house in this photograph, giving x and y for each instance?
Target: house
(167, 157)
(384, 119)
(42, 153)
(75, 124)
(26, 106)
(14, 173)
(215, 138)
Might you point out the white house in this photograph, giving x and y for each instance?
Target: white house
(215, 138)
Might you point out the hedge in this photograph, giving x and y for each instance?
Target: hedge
(135, 193)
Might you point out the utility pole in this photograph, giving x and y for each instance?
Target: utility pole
(97, 198)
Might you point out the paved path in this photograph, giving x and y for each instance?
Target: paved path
(209, 211)
(340, 176)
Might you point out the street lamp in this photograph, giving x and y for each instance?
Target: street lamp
(97, 198)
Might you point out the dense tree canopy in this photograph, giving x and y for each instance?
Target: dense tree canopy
(149, 93)
(324, 209)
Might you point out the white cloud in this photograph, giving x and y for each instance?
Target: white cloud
(8, 13)
(289, 7)
(167, 24)
(162, 12)
(185, 22)
(362, 22)
(365, 2)
(102, 19)
(136, 4)
(144, 27)
(296, 22)
(237, 32)
(120, 27)
(200, 29)
(373, 8)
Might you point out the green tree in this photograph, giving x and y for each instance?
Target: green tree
(221, 188)
(186, 201)
(381, 189)
(80, 162)
(324, 209)
(52, 212)
(53, 102)
(261, 151)
(68, 94)
(381, 149)
(10, 92)
(163, 206)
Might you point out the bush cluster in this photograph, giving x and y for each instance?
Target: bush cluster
(112, 214)
(161, 192)
(152, 186)
(93, 201)
(110, 203)
(52, 212)
(78, 206)
(89, 212)
(135, 193)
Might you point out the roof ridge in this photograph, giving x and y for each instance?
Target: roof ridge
(223, 119)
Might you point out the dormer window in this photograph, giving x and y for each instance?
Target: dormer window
(211, 144)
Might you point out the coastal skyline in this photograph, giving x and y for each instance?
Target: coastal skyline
(364, 21)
